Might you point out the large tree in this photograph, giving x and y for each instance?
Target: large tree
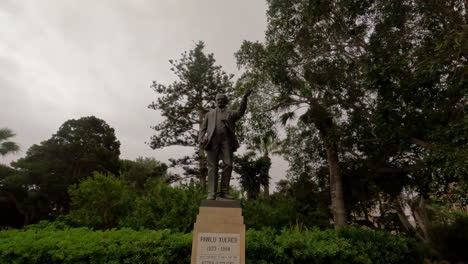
(183, 105)
(416, 135)
(302, 59)
(79, 147)
(375, 79)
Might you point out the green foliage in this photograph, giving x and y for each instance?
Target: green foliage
(298, 202)
(450, 155)
(106, 201)
(7, 146)
(100, 201)
(278, 212)
(79, 147)
(162, 207)
(61, 223)
(88, 144)
(381, 246)
(19, 203)
(82, 245)
(381, 83)
(49, 244)
(142, 170)
(302, 150)
(273, 213)
(348, 245)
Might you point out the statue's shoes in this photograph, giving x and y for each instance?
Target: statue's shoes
(224, 199)
(224, 196)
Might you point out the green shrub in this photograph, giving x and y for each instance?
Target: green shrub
(383, 247)
(164, 207)
(278, 212)
(44, 224)
(106, 201)
(82, 245)
(49, 244)
(100, 201)
(349, 245)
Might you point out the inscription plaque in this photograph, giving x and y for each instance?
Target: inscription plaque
(218, 248)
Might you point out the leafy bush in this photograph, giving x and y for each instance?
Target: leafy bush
(100, 201)
(82, 245)
(279, 212)
(50, 244)
(106, 201)
(274, 213)
(381, 246)
(349, 245)
(163, 206)
(55, 225)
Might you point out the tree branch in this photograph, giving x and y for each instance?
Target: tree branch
(422, 143)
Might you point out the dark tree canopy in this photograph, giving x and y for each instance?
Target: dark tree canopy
(79, 147)
(379, 83)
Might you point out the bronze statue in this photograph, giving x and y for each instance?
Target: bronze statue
(217, 136)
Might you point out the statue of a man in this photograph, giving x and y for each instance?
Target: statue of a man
(217, 136)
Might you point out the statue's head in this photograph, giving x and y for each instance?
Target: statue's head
(221, 100)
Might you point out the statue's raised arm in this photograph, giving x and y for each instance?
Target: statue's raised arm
(243, 104)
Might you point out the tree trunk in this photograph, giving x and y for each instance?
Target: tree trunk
(419, 211)
(401, 215)
(266, 186)
(336, 184)
(105, 217)
(266, 190)
(24, 213)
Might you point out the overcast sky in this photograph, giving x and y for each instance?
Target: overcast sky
(64, 59)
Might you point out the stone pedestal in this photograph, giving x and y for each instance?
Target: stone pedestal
(219, 234)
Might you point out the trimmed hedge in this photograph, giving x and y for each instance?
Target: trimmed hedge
(349, 245)
(82, 245)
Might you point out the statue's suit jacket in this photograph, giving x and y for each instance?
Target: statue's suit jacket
(209, 124)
